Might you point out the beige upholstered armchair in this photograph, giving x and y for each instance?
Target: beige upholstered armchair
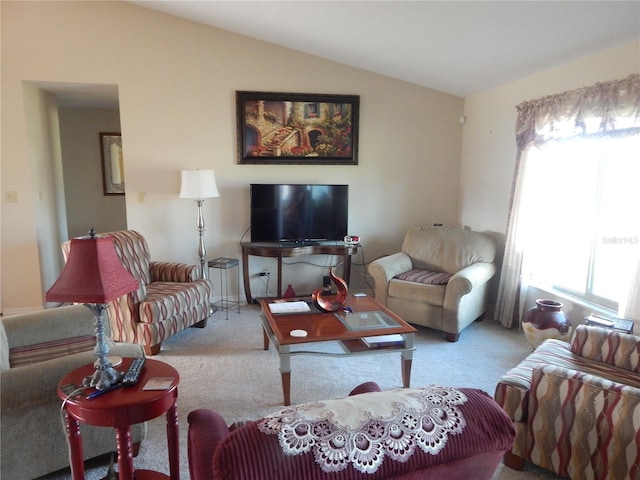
(170, 298)
(36, 351)
(439, 279)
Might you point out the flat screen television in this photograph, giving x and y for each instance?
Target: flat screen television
(298, 214)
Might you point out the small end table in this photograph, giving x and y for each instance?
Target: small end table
(620, 324)
(120, 409)
(224, 265)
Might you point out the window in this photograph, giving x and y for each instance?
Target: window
(574, 222)
(583, 213)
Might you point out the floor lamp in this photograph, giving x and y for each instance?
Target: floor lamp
(199, 184)
(94, 275)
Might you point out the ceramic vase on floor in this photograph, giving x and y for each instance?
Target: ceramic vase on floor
(546, 320)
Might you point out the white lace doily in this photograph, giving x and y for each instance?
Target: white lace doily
(362, 429)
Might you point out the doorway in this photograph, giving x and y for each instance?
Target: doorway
(85, 111)
(64, 124)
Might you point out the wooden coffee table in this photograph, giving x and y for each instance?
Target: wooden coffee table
(367, 319)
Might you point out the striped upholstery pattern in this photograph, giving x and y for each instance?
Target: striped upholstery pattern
(513, 389)
(425, 276)
(618, 349)
(583, 426)
(170, 298)
(39, 352)
(573, 405)
(173, 272)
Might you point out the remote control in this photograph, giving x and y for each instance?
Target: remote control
(131, 377)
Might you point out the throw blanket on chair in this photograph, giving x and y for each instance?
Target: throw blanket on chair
(365, 428)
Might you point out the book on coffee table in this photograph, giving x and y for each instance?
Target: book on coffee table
(384, 341)
(289, 307)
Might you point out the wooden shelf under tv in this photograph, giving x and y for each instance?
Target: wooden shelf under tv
(280, 251)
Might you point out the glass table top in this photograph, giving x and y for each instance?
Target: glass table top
(366, 320)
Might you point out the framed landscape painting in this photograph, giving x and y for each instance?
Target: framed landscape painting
(297, 128)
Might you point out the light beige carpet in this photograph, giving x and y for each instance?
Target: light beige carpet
(223, 367)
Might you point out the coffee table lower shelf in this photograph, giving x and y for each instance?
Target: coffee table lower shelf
(350, 348)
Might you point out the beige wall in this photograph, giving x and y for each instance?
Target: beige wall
(177, 81)
(86, 205)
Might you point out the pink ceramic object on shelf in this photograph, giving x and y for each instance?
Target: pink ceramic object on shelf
(290, 292)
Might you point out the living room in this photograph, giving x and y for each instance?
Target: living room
(425, 156)
(177, 111)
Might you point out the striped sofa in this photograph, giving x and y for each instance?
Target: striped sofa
(576, 406)
(170, 298)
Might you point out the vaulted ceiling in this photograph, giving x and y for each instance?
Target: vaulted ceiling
(459, 47)
(454, 46)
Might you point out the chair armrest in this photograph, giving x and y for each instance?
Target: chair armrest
(365, 387)
(48, 325)
(384, 269)
(22, 388)
(173, 272)
(206, 430)
(466, 280)
(553, 375)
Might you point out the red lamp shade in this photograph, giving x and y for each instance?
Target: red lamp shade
(93, 273)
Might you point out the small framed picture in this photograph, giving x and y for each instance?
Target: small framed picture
(112, 163)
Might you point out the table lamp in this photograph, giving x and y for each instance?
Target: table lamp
(94, 275)
(199, 184)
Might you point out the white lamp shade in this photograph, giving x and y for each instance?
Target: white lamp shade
(198, 184)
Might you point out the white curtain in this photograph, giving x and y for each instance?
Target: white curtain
(605, 109)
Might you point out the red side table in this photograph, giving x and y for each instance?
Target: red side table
(120, 409)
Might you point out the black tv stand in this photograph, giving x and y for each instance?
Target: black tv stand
(280, 250)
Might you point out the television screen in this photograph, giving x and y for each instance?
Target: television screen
(298, 213)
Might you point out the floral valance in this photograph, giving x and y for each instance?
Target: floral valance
(606, 108)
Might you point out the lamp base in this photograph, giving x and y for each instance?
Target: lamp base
(102, 378)
(105, 375)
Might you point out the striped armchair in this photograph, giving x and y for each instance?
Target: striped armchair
(576, 406)
(170, 298)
